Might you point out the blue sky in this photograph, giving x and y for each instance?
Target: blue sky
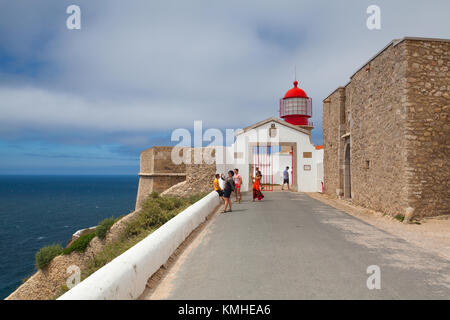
(88, 101)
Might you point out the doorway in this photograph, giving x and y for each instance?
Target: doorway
(347, 173)
(266, 157)
(263, 160)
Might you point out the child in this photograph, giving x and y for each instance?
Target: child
(237, 182)
(217, 187)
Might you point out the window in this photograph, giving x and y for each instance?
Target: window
(272, 131)
(367, 164)
(295, 106)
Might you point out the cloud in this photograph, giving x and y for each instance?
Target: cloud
(142, 68)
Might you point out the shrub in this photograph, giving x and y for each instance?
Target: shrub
(166, 203)
(400, 217)
(103, 227)
(80, 244)
(194, 198)
(154, 213)
(149, 217)
(178, 203)
(46, 254)
(154, 195)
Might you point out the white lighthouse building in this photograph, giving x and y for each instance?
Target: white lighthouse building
(273, 144)
(270, 146)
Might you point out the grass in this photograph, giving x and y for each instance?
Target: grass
(400, 217)
(80, 244)
(103, 227)
(46, 254)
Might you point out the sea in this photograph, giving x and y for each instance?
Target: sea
(36, 211)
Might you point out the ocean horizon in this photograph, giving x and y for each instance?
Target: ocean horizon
(38, 210)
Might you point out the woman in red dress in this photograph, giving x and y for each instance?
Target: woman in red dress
(257, 188)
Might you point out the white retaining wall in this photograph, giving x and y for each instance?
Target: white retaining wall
(126, 276)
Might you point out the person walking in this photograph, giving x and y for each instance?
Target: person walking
(285, 178)
(257, 173)
(237, 181)
(257, 188)
(228, 188)
(218, 188)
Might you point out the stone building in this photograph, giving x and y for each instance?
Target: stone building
(387, 133)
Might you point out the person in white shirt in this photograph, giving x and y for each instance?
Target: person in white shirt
(222, 181)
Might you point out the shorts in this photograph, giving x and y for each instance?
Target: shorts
(220, 192)
(285, 181)
(226, 193)
(238, 186)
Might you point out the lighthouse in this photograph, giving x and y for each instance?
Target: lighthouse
(296, 107)
(270, 146)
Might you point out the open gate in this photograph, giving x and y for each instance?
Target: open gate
(263, 159)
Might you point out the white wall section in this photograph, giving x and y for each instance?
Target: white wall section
(126, 276)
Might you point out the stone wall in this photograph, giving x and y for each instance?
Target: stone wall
(158, 172)
(331, 140)
(428, 127)
(393, 113)
(199, 177)
(375, 116)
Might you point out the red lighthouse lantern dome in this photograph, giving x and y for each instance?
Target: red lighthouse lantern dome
(295, 92)
(296, 107)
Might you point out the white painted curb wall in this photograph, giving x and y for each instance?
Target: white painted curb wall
(126, 276)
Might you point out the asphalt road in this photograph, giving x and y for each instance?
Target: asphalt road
(290, 246)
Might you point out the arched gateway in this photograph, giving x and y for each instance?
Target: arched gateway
(347, 173)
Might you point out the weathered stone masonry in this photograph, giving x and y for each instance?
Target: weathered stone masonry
(157, 172)
(392, 119)
(427, 126)
(160, 174)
